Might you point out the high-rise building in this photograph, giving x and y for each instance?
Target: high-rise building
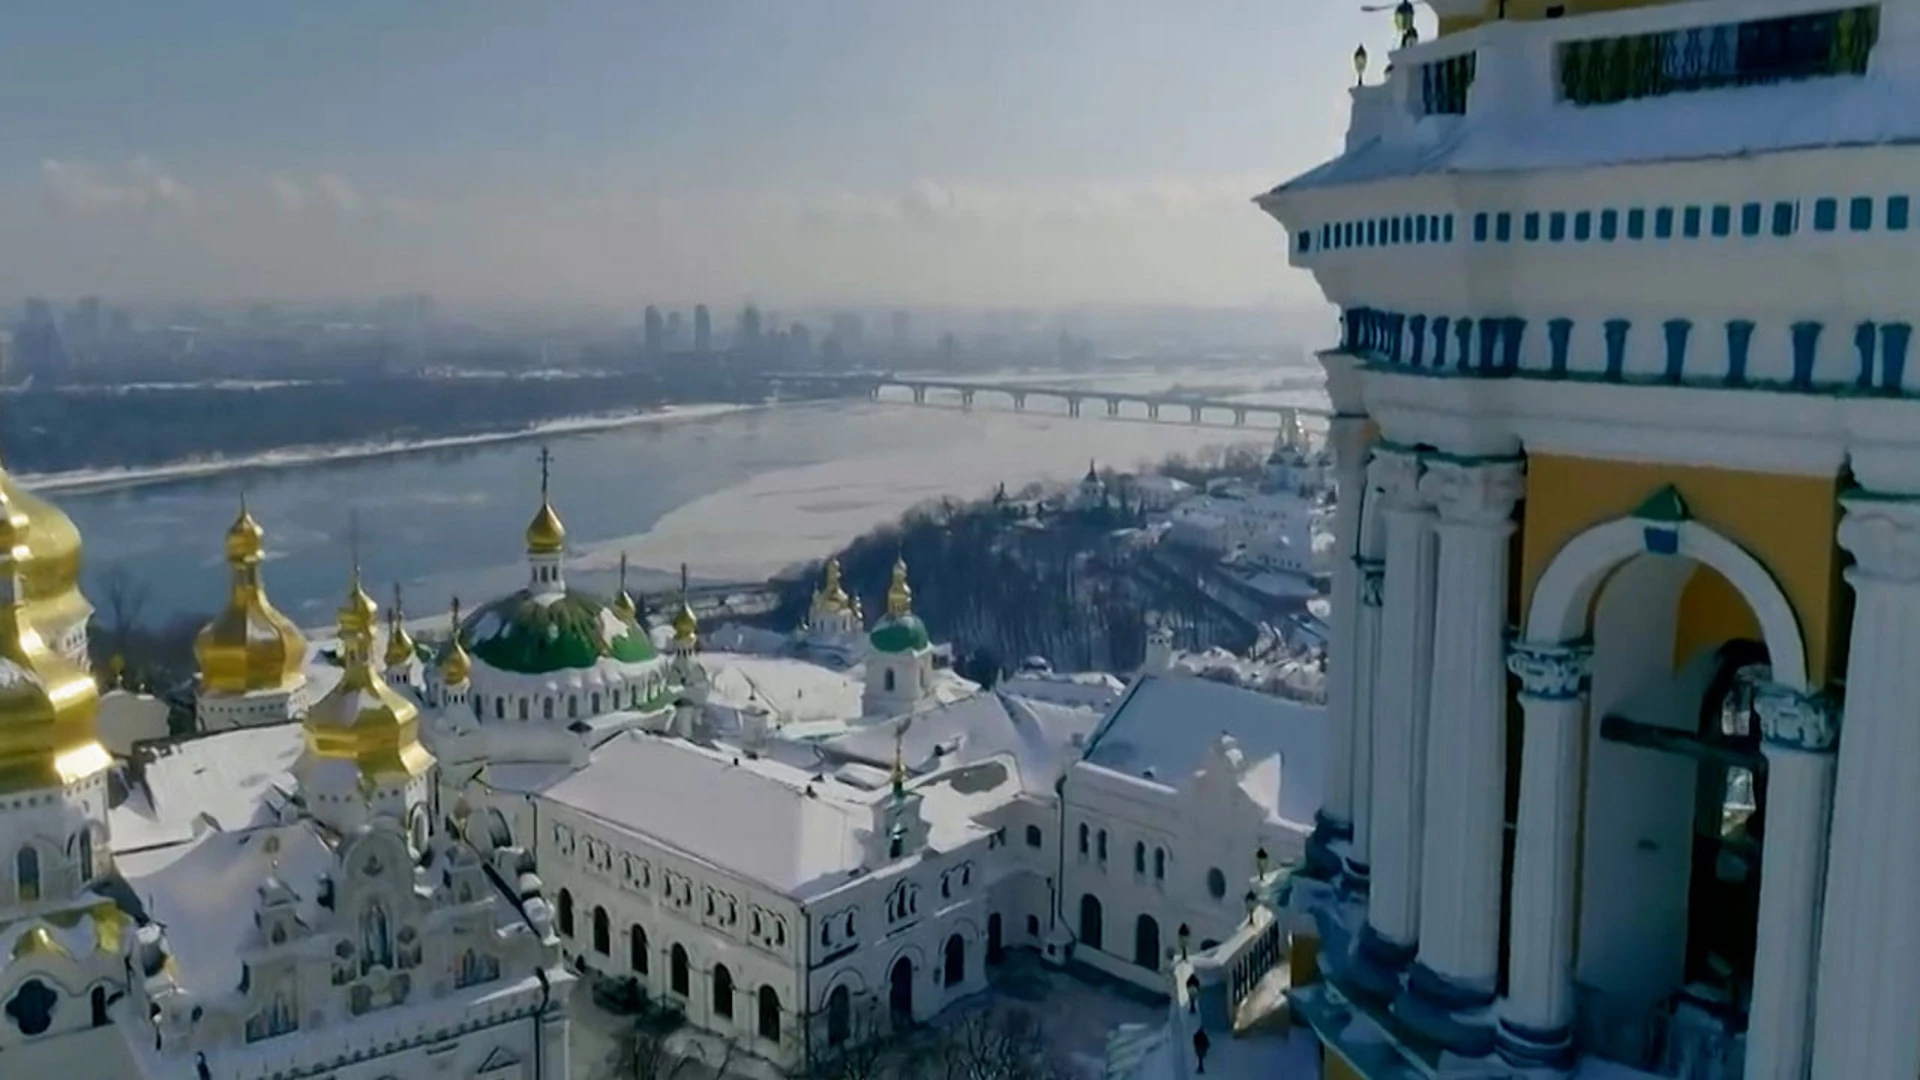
(749, 333)
(654, 334)
(39, 351)
(1623, 357)
(676, 334)
(702, 329)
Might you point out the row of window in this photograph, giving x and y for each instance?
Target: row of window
(679, 969)
(1098, 850)
(618, 697)
(1601, 71)
(1779, 218)
(1494, 346)
(26, 865)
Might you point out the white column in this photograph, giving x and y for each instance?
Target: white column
(1799, 733)
(1869, 961)
(1536, 1018)
(1466, 754)
(1399, 710)
(1372, 578)
(1335, 821)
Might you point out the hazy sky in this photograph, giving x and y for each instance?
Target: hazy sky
(965, 152)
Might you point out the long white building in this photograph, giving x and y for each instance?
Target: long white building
(1622, 681)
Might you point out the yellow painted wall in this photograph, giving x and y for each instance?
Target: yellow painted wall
(1537, 9)
(1786, 522)
(1712, 613)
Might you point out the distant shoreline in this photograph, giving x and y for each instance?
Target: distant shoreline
(95, 480)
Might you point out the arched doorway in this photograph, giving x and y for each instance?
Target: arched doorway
(954, 970)
(1090, 916)
(1684, 626)
(722, 991)
(677, 978)
(1146, 943)
(994, 946)
(769, 1014)
(839, 1015)
(637, 950)
(602, 931)
(900, 991)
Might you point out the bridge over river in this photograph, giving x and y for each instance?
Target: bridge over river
(1114, 404)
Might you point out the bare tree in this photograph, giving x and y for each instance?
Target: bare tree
(643, 1053)
(867, 1050)
(994, 1044)
(124, 598)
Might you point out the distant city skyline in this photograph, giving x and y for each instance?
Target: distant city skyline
(836, 152)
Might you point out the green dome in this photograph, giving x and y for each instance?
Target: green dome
(898, 634)
(531, 635)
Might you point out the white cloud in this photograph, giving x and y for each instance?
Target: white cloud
(287, 192)
(145, 185)
(337, 192)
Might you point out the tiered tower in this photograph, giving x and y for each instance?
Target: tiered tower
(363, 757)
(401, 662)
(66, 936)
(252, 658)
(546, 539)
(1623, 410)
(899, 655)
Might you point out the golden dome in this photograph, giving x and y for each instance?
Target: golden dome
(52, 576)
(899, 593)
(686, 627)
(38, 941)
(400, 646)
(545, 534)
(250, 645)
(362, 719)
(833, 594)
(455, 665)
(47, 703)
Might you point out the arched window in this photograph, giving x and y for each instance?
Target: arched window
(1084, 833)
(1216, 883)
(573, 706)
(1139, 857)
(1101, 845)
(1033, 836)
(500, 707)
(86, 853)
(523, 708)
(376, 940)
(849, 924)
(97, 1001)
(769, 1014)
(839, 1015)
(566, 912)
(602, 932)
(546, 708)
(954, 970)
(889, 680)
(722, 991)
(26, 874)
(1146, 943)
(1090, 920)
(1160, 863)
(637, 950)
(596, 703)
(677, 971)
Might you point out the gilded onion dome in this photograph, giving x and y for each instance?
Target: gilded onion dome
(52, 576)
(48, 705)
(400, 645)
(899, 630)
(686, 626)
(250, 645)
(456, 667)
(363, 720)
(623, 604)
(833, 594)
(545, 534)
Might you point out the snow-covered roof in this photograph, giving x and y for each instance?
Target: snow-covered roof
(792, 690)
(1166, 726)
(1037, 736)
(225, 777)
(1705, 124)
(205, 892)
(752, 817)
(1093, 689)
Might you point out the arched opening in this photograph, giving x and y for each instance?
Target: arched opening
(769, 1014)
(26, 874)
(1685, 626)
(376, 940)
(839, 1015)
(722, 991)
(1090, 916)
(86, 853)
(1146, 943)
(677, 971)
(637, 950)
(888, 680)
(602, 932)
(900, 991)
(995, 948)
(954, 970)
(566, 913)
(97, 1001)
